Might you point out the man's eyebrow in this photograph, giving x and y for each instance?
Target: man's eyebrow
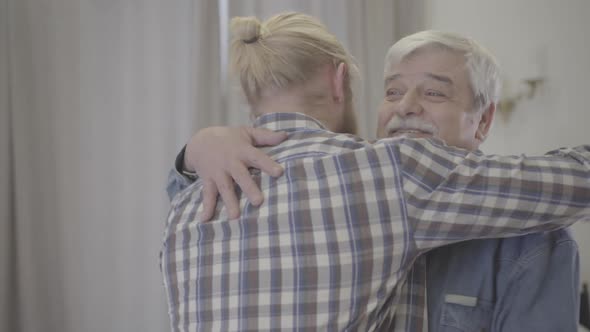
(390, 78)
(440, 78)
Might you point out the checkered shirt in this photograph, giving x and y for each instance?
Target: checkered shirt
(333, 245)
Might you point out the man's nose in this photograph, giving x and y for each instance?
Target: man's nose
(410, 104)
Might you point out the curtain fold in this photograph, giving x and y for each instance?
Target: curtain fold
(43, 92)
(7, 252)
(96, 99)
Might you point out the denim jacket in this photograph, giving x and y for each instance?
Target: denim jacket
(526, 283)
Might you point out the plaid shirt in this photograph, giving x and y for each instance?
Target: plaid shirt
(332, 245)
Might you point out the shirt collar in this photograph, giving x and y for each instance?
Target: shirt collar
(285, 121)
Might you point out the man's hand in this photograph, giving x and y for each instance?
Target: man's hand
(220, 154)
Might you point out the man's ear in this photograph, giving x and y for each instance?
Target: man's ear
(338, 82)
(485, 122)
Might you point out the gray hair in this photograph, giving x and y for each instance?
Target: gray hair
(482, 68)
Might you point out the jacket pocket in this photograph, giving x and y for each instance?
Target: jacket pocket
(467, 317)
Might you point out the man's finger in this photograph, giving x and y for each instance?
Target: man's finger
(242, 177)
(266, 137)
(225, 186)
(258, 159)
(209, 195)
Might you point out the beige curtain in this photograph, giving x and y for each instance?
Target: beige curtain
(96, 98)
(7, 252)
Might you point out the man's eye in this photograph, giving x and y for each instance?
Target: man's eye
(434, 93)
(393, 93)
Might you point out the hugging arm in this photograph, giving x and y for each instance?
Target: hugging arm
(219, 156)
(434, 195)
(492, 184)
(453, 195)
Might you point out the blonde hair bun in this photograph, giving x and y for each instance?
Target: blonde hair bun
(245, 29)
(283, 52)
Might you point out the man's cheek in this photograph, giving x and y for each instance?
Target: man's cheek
(382, 119)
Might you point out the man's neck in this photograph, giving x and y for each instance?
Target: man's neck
(284, 103)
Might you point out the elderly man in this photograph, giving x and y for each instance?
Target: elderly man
(445, 86)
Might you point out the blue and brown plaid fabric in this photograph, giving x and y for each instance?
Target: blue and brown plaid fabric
(333, 245)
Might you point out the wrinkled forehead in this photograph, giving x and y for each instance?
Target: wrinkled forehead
(439, 64)
(431, 58)
(440, 78)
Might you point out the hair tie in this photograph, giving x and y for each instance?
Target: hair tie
(251, 40)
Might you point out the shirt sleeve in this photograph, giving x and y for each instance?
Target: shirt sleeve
(453, 194)
(177, 179)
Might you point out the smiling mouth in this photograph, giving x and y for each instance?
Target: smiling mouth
(409, 132)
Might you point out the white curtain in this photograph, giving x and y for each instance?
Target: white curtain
(7, 253)
(96, 98)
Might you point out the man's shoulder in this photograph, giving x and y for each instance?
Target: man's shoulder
(507, 251)
(314, 143)
(526, 248)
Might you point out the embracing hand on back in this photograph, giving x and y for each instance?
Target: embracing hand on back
(222, 155)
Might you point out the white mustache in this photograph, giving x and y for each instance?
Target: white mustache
(413, 123)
